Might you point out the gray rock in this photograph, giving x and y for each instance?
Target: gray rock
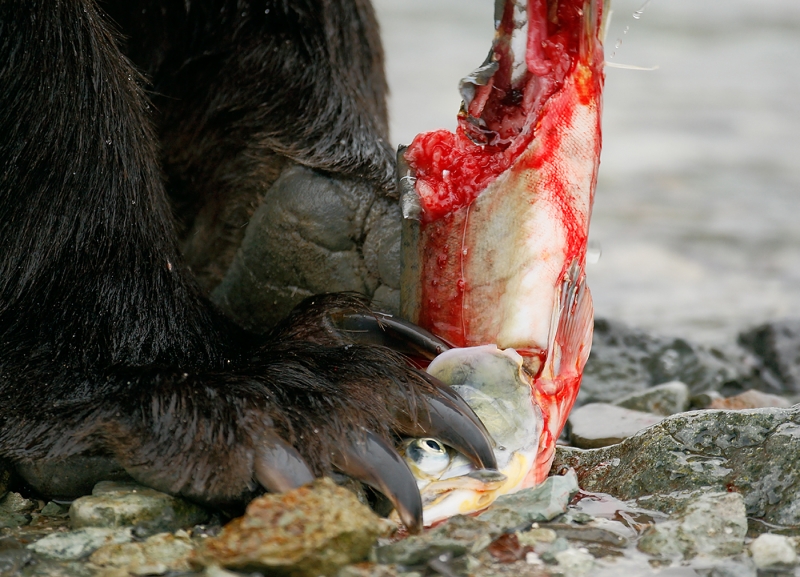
(626, 360)
(714, 524)
(53, 509)
(534, 505)
(778, 345)
(80, 543)
(706, 527)
(16, 503)
(574, 562)
(589, 534)
(12, 561)
(601, 424)
(127, 504)
(754, 452)
(770, 551)
(665, 399)
(736, 567)
(458, 536)
(15, 510)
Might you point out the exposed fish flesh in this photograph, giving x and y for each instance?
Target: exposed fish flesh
(494, 240)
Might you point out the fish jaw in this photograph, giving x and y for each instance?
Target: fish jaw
(497, 214)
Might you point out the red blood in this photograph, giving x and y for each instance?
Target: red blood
(453, 168)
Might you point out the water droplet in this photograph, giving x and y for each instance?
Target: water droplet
(619, 43)
(638, 13)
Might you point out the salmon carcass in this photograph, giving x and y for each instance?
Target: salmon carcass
(496, 219)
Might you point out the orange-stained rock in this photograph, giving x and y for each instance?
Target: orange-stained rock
(751, 399)
(310, 531)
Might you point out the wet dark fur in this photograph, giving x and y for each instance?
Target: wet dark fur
(107, 345)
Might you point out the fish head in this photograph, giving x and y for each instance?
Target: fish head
(496, 385)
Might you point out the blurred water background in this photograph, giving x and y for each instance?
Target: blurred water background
(697, 210)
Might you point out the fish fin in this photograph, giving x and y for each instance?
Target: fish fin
(572, 327)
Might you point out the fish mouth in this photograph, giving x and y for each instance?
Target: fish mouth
(496, 219)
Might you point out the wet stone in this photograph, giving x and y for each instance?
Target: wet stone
(113, 504)
(601, 424)
(459, 535)
(543, 503)
(156, 555)
(574, 562)
(589, 534)
(53, 509)
(548, 553)
(80, 543)
(665, 399)
(714, 524)
(755, 453)
(15, 510)
(368, 570)
(716, 567)
(537, 535)
(12, 561)
(313, 530)
(769, 551)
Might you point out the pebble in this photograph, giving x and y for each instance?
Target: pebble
(534, 505)
(156, 555)
(770, 550)
(664, 399)
(715, 524)
(115, 504)
(80, 543)
(574, 562)
(601, 424)
(751, 399)
(459, 535)
(309, 531)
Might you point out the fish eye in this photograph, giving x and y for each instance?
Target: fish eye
(429, 455)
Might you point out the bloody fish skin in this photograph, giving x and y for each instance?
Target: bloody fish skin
(548, 160)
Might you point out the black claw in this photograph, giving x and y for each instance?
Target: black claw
(370, 460)
(457, 428)
(278, 465)
(450, 420)
(388, 331)
(451, 395)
